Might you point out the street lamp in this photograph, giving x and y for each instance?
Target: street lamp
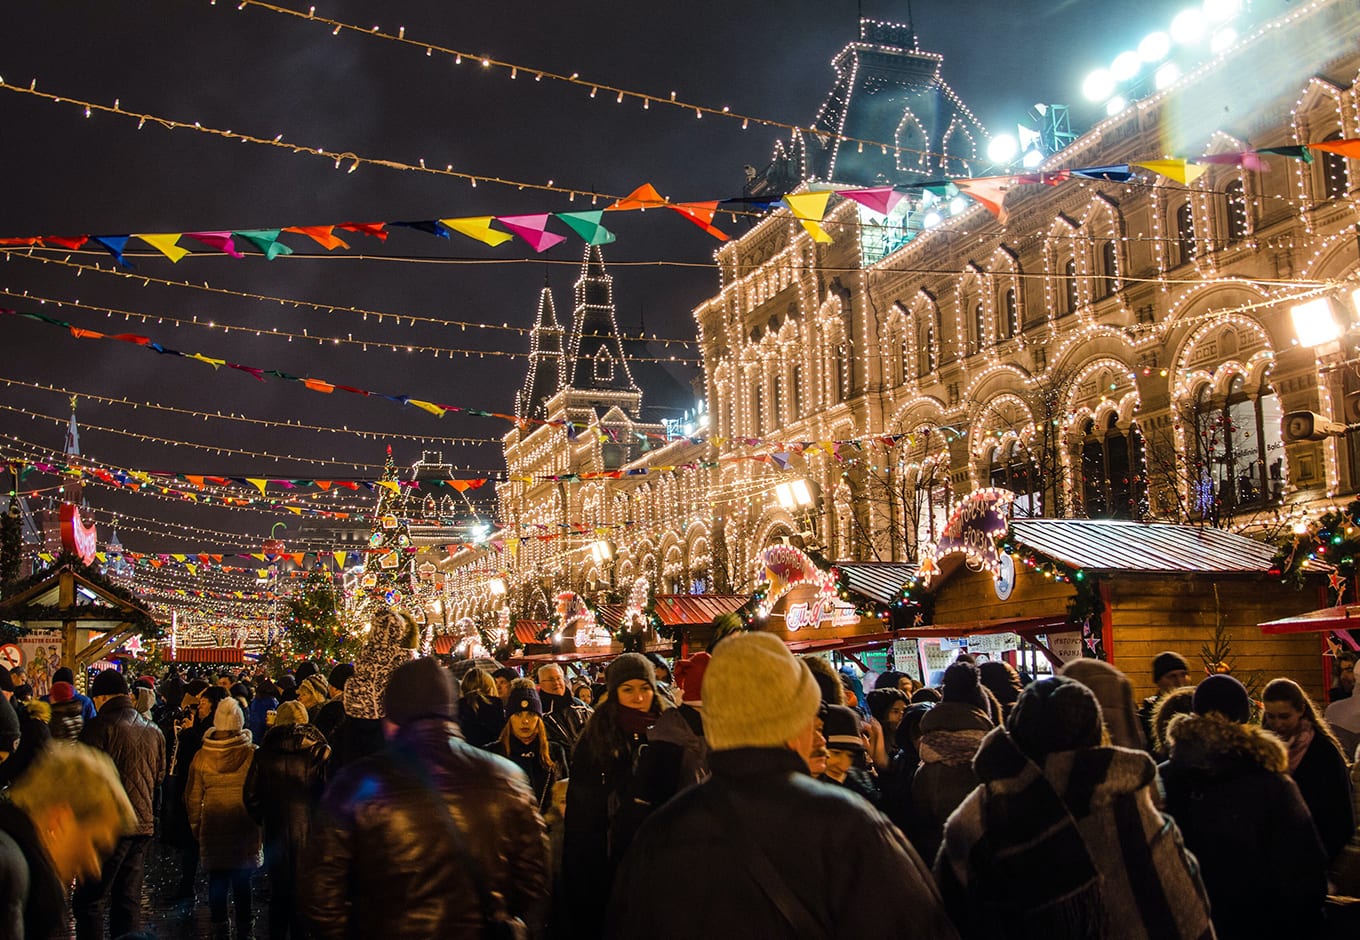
(601, 551)
(497, 587)
(794, 495)
(1315, 322)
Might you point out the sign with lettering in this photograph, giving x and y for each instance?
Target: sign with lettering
(994, 643)
(906, 657)
(972, 530)
(1066, 646)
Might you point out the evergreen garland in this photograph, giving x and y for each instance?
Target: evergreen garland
(1332, 539)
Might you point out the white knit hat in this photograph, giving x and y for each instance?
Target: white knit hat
(228, 716)
(756, 693)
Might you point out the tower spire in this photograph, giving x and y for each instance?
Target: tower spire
(596, 359)
(547, 364)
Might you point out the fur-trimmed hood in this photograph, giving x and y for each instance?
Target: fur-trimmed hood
(1221, 747)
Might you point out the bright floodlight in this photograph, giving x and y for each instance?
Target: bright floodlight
(1188, 27)
(957, 205)
(497, 586)
(1031, 159)
(1166, 75)
(1355, 302)
(1115, 105)
(1220, 11)
(1314, 322)
(1098, 85)
(1223, 39)
(1125, 66)
(932, 219)
(1154, 47)
(1001, 149)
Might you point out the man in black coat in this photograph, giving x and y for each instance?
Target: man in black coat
(564, 715)
(762, 848)
(417, 840)
(138, 751)
(1228, 789)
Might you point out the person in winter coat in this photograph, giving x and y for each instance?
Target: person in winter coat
(390, 852)
(1062, 839)
(265, 701)
(1179, 701)
(228, 839)
(565, 714)
(1315, 761)
(64, 674)
(845, 748)
(676, 755)
(603, 783)
(1170, 672)
(481, 713)
(201, 700)
(951, 733)
(138, 751)
(524, 742)
(392, 640)
(1346, 865)
(887, 706)
(760, 821)
(328, 719)
(895, 799)
(67, 719)
(312, 694)
(1114, 692)
(62, 818)
(282, 790)
(1000, 678)
(34, 734)
(1227, 786)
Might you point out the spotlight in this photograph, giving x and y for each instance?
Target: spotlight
(1166, 75)
(1222, 40)
(1125, 66)
(1001, 149)
(1188, 27)
(1115, 105)
(1154, 47)
(1098, 85)
(1031, 159)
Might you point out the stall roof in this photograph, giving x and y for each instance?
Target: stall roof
(880, 581)
(677, 609)
(1107, 544)
(1346, 617)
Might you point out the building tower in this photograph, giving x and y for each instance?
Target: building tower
(596, 360)
(547, 360)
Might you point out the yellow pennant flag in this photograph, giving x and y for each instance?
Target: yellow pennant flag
(429, 406)
(1178, 170)
(339, 559)
(166, 245)
(478, 227)
(390, 484)
(193, 569)
(258, 484)
(261, 573)
(179, 558)
(295, 510)
(809, 209)
(215, 363)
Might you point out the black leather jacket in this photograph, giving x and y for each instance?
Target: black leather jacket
(382, 861)
(284, 784)
(138, 751)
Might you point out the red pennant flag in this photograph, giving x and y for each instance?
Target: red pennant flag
(366, 228)
(71, 243)
(701, 214)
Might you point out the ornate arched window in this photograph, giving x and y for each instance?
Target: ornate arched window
(1239, 448)
(980, 324)
(1012, 469)
(1071, 298)
(1012, 313)
(1109, 267)
(1113, 486)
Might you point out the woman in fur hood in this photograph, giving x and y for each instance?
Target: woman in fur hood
(392, 640)
(1228, 787)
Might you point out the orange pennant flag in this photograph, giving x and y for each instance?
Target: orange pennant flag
(195, 480)
(644, 197)
(318, 385)
(323, 235)
(1347, 148)
(701, 214)
(78, 333)
(324, 484)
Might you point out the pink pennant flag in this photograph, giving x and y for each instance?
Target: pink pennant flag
(881, 199)
(533, 229)
(988, 190)
(1246, 159)
(221, 241)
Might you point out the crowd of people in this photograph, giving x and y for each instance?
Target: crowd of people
(749, 792)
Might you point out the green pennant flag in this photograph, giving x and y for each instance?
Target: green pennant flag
(1298, 153)
(266, 240)
(587, 225)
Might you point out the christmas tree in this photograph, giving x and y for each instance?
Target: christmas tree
(11, 545)
(312, 627)
(389, 566)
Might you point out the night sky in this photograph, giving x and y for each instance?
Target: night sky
(262, 73)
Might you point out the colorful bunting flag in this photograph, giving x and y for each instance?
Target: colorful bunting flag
(218, 240)
(167, 245)
(1177, 169)
(323, 235)
(809, 209)
(478, 227)
(1114, 173)
(990, 191)
(376, 229)
(880, 199)
(588, 226)
(115, 245)
(1296, 152)
(533, 229)
(701, 214)
(644, 197)
(1347, 148)
(1246, 159)
(265, 240)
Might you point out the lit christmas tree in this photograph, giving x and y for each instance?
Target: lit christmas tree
(312, 626)
(389, 566)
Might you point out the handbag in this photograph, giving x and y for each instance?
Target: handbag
(498, 924)
(804, 923)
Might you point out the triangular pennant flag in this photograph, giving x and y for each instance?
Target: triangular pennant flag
(587, 225)
(701, 214)
(376, 229)
(644, 197)
(1175, 169)
(339, 559)
(114, 245)
(990, 191)
(881, 199)
(808, 209)
(266, 240)
(167, 245)
(219, 240)
(478, 227)
(318, 385)
(1297, 152)
(1246, 159)
(431, 407)
(215, 363)
(21, 242)
(1347, 148)
(257, 483)
(72, 243)
(533, 229)
(323, 485)
(323, 235)
(1114, 173)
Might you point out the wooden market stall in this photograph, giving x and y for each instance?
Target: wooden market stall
(87, 617)
(1139, 588)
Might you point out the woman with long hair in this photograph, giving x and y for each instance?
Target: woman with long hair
(599, 825)
(1315, 761)
(524, 742)
(481, 713)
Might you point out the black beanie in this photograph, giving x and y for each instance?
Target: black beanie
(1167, 662)
(419, 689)
(340, 675)
(109, 682)
(524, 700)
(305, 670)
(64, 674)
(1223, 694)
(1055, 714)
(960, 684)
(626, 668)
(9, 725)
